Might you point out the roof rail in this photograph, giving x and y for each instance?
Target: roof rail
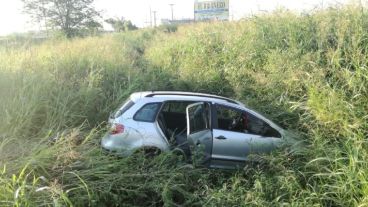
(177, 93)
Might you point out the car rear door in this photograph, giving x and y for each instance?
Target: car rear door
(199, 132)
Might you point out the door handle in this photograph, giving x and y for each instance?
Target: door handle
(220, 137)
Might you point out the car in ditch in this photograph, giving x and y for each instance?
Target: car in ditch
(223, 129)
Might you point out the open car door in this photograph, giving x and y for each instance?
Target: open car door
(199, 132)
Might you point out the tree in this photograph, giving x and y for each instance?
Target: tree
(128, 25)
(121, 25)
(70, 16)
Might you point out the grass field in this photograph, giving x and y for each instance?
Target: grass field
(308, 73)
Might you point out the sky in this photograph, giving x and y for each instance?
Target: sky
(13, 20)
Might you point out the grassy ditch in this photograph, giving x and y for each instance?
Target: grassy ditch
(306, 72)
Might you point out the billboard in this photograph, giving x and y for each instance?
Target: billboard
(211, 10)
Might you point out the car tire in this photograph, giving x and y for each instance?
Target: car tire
(148, 152)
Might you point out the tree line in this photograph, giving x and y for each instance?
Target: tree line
(72, 17)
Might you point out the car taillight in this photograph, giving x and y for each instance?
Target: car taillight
(117, 129)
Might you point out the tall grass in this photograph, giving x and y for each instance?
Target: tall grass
(306, 72)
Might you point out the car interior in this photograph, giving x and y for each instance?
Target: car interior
(173, 123)
(241, 121)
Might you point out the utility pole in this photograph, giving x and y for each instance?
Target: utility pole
(172, 11)
(154, 18)
(150, 15)
(231, 13)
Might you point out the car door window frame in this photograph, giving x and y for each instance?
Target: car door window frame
(210, 120)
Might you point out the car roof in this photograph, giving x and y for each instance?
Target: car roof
(160, 96)
(181, 95)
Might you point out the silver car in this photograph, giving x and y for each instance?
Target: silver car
(224, 130)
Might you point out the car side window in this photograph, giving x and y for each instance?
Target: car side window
(235, 120)
(227, 119)
(147, 113)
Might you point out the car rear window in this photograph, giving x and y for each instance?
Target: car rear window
(126, 106)
(147, 113)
